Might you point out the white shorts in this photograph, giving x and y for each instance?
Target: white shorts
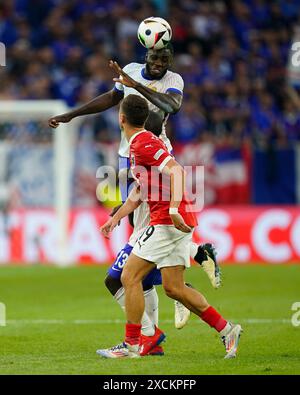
(141, 219)
(164, 245)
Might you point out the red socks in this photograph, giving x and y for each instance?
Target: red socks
(132, 333)
(213, 318)
(210, 316)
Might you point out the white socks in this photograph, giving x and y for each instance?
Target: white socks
(150, 316)
(151, 306)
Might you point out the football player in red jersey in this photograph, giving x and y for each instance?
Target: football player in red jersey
(164, 242)
(164, 91)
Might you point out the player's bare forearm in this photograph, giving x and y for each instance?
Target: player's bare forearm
(128, 207)
(177, 186)
(131, 203)
(177, 182)
(168, 102)
(99, 104)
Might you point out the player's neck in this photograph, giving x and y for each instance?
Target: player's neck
(131, 131)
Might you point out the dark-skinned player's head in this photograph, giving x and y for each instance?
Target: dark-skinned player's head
(154, 123)
(134, 111)
(158, 61)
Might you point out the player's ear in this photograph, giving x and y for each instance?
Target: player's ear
(122, 119)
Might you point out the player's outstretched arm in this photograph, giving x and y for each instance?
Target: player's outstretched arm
(168, 102)
(99, 104)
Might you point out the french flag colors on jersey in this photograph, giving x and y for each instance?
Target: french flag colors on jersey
(170, 82)
(148, 156)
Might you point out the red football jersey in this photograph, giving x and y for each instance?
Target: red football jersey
(148, 156)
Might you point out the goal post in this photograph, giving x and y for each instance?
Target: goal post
(63, 141)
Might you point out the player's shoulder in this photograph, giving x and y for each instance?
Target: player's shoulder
(173, 82)
(146, 140)
(140, 138)
(173, 76)
(131, 67)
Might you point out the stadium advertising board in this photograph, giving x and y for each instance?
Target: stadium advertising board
(251, 234)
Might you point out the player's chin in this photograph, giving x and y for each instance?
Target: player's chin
(156, 73)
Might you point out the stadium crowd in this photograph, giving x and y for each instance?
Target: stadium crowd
(232, 55)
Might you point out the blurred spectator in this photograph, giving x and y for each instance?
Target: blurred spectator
(188, 124)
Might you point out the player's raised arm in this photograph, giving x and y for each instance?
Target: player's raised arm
(157, 64)
(99, 104)
(169, 102)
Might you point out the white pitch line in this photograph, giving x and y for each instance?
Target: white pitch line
(119, 321)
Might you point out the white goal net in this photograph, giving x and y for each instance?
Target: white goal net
(36, 165)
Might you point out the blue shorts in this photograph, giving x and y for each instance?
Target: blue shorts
(115, 271)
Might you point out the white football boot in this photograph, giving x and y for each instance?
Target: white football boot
(120, 351)
(182, 315)
(231, 340)
(210, 264)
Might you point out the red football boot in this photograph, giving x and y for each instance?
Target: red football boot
(157, 350)
(148, 343)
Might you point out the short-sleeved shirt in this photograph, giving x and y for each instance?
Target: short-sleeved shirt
(170, 82)
(148, 157)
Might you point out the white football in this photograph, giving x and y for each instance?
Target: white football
(154, 33)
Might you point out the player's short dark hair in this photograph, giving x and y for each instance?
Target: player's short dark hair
(169, 46)
(136, 110)
(154, 123)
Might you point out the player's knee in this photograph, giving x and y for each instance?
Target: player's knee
(173, 291)
(130, 277)
(127, 278)
(112, 284)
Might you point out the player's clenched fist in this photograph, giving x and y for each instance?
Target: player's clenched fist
(179, 223)
(55, 121)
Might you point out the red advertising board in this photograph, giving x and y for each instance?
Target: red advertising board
(242, 234)
(252, 234)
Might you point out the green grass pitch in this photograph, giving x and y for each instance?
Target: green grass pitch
(57, 318)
